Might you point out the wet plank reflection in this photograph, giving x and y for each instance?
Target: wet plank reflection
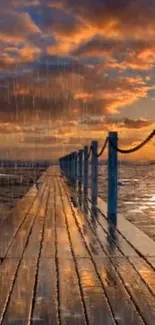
(63, 263)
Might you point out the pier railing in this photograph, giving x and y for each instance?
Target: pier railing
(75, 167)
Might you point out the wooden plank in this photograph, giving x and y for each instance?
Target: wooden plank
(151, 261)
(53, 171)
(116, 238)
(71, 309)
(77, 242)
(45, 304)
(110, 248)
(19, 241)
(20, 238)
(19, 304)
(93, 292)
(130, 267)
(141, 295)
(90, 238)
(17, 282)
(123, 307)
(77, 277)
(48, 249)
(13, 224)
(140, 241)
(94, 295)
(63, 241)
(34, 242)
(45, 309)
(7, 271)
(119, 300)
(145, 271)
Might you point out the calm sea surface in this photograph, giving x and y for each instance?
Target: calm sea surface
(136, 194)
(14, 184)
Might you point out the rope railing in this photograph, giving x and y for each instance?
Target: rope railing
(139, 146)
(101, 151)
(75, 167)
(91, 149)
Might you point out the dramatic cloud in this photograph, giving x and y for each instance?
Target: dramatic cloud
(116, 19)
(119, 55)
(78, 90)
(15, 26)
(71, 71)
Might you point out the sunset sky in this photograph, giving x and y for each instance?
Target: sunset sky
(72, 70)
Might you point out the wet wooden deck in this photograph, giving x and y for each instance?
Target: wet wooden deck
(61, 266)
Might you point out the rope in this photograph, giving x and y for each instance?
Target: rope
(102, 150)
(139, 146)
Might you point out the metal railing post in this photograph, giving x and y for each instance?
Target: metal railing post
(63, 164)
(70, 166)
(80, 166)
(112, 178)
(85, 181)
(60, 163)
(67, 165)
(94, 175)
(74, 167)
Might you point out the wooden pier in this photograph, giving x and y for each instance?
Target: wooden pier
(63, 265)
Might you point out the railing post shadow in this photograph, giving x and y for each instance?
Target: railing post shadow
(112, 178)
(94, 175)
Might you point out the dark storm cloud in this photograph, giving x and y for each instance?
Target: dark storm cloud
(117, 18)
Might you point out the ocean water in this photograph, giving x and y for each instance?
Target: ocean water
(136, 193)
(14, 184)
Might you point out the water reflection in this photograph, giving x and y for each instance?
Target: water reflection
(85, 201)
(89, 210)
(111, 238)
(80, 199)
(80, 194)
(94, 212)
(136, 189)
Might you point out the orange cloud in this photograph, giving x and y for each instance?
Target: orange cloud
(21, 26)
(68, 38)
(83, 96)
(78, 46)
(12, 55)
(119, 55)
(125, 20)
